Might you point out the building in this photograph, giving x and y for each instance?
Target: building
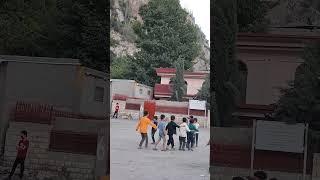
(59, 82)
(193, 80)
(267, 62)
(130, 88)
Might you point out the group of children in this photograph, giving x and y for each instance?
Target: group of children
(188, 132)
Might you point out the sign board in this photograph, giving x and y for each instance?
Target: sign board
(197, 105)
(279, 136)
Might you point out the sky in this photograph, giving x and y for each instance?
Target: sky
(201, 12)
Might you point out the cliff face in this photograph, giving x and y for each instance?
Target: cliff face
(122, 13)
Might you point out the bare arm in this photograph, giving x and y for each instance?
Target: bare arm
(153, 125)
(138, 126)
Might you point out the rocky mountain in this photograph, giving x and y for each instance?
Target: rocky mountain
(123, 13)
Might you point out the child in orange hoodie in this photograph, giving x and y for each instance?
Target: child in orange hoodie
(143, 124)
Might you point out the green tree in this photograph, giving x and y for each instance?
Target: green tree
(56, 28)
(225, 68)
(204, 92)
(251, 15)
(300, 102)
(165, 35)
(121, 67)
(229, 18)
(179, 86)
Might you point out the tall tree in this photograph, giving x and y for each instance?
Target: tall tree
(204, 92)
(229, 17)
(179, 86)
(56, 28)
(165, 35)
(300, 102)
(251, 15)
(224, 64)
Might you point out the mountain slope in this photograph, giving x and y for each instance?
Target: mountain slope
(123, 14)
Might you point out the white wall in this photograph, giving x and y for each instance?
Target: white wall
(165, 80)
(194, 85)
(141, 91)
(123, 87)
(265, 76)
(88, 104)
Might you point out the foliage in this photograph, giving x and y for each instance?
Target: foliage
(251, 15)
(300, 102)
(179, 86)
(229, 18)
(204, 92)
(225, 67)
(304, 11)
(55, 28)
(120, 68)
(164, 36)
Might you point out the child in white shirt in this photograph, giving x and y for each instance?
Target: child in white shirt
(183, 134)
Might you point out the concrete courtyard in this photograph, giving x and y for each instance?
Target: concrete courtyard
(130, 163)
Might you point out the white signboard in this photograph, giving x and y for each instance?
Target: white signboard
(279, 136)
(197, 105)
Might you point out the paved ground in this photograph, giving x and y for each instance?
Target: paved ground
(130, 163)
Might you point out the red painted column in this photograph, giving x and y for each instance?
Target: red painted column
(150, 106)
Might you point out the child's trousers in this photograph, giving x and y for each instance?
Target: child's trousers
(182, 141)
(190, 140)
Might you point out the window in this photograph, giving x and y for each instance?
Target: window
(141, 91)
(99, 94)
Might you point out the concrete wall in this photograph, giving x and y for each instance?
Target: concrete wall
(267, 73)
(88, 103)
(237, 137)
(316, 167)
(165, 80)
(231, 135)
(40, 83)
(123, 87)
(2, 100)
(143, 91)
(194, 85)
(172, 103)
(45, 83)
(226, 173)
(40, 160)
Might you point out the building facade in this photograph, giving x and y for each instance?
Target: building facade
(193, 80)
(59, 82)
(130, 88)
